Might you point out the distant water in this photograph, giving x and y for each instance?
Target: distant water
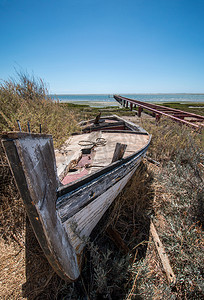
(100, 100)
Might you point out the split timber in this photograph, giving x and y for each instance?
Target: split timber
(189, 119)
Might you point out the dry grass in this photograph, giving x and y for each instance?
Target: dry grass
(178, 208)
(26, 100)
(12, 270)
(12, 235)
(120, 260)
(107, 266)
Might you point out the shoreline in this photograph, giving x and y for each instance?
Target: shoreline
(104, 104)
(109, 94)
(194, 107)
(103, 100)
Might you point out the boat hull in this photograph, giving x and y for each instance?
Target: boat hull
(63, 217)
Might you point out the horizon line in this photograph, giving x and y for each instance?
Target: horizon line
(89, 94)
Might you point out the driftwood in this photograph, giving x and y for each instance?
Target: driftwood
(162, 254)
(152, 160)
(119, 151)
(116, 238)
(201, 166)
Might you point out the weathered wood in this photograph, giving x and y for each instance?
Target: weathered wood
(174, 114)
(32, 162)
(70, 203)
(201, 166)
(103, 125)
(132, 126)
(17, 135)
(63, 190)
(152, 161)
(117, 239)
(119, 151)
(97, 118)
(87, 218)
(71, 151)
(64, 216)
(162, 254)
(140, 109)
(125, 131)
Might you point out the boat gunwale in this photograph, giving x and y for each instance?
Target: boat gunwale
(131, 164)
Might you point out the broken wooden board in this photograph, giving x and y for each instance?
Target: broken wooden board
(163, 256)
(119, 151)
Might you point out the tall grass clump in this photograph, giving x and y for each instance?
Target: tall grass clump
(26, 99)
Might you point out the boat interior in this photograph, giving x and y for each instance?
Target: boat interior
(94, 147)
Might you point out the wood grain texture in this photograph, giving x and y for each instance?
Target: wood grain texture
(81, 224)
(119, 151)
(33, 164)
(77, 198)
(64, 216)
(162, 254)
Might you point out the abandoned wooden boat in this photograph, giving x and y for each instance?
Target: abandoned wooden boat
(67, 191)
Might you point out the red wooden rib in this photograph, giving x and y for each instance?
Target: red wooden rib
(158, 110)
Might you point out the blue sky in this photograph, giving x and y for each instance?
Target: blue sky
(105, 46)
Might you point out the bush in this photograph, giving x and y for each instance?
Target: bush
(27, 100)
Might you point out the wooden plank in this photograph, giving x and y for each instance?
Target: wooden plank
(119, 151)
(125, 131)
(157, 109)
(87, 218)
(74, 201)
(152, 160)
(71, 151)
(32, 162)
(71, 186)
(162, 254)
(17, 134)
(201, 166)
(96, 121)
(103, 125)
(117, 239)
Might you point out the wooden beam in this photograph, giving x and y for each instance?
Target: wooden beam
(117, 239)
(158, 116)
(163, 256)
(140, 109)
(159, 109)
(96, 121)
(152, 161)
(119, 151)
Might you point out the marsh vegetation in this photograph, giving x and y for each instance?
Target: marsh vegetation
(120, 260)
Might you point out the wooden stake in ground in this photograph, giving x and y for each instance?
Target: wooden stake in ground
(162, 254)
